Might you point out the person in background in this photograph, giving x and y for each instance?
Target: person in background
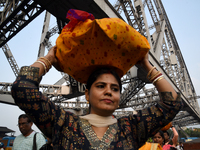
(171, 142)
(48, 145)
(159, 138)
(25, 139)
(1, 146)
(180, 146)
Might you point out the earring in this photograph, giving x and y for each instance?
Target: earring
(87, 101)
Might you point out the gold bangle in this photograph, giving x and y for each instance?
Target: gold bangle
(154, 76)
(46, 64)
(46, 60)
(150, 71)
(158, 80)
(45, 69)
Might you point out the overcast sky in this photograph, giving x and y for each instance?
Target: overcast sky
(183, 16)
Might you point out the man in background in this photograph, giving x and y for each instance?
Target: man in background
(25, 140)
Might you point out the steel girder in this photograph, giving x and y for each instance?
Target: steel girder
(52, 90)
(10, 59)
(176, 69)
(15, 16)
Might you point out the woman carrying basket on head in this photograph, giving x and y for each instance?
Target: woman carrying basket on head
(98, 129)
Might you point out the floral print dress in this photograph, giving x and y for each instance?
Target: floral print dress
(69, 131)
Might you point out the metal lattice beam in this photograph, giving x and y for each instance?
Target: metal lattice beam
(10, 59)
(15, 16)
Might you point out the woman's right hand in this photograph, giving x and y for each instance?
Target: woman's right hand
(51, 56)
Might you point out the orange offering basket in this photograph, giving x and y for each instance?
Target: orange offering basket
(86, 44)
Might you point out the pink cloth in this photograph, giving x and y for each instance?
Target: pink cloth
(166, 147)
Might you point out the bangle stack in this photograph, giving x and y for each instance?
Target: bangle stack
(155, 77)
(46, 64)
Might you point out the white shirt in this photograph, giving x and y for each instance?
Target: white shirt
(26, 143)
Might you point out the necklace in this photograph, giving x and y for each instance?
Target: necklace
(100, 137)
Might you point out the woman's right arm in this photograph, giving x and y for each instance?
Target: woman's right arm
(25, 91)
(51, 57)
(175, 137)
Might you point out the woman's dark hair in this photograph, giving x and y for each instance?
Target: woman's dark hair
(166, 132)
(25, 116)
(93, 77)
(162, 135)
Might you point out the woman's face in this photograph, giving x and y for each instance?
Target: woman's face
(104, 95)
(166, 136)
(158, 139)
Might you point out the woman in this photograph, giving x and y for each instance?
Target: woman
(98, 130)
(170, 142)
(159, 137)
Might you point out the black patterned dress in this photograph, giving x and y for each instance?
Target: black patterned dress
(69, 131)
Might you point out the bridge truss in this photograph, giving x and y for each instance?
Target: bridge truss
(165, 53)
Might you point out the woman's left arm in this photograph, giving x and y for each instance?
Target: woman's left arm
(162, 85)
(152, 119)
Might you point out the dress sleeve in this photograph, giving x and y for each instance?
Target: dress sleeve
(150, 120)
(48, 117)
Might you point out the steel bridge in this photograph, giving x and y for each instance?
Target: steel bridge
(165, 53)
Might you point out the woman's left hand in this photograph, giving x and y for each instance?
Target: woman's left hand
(144, 62)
